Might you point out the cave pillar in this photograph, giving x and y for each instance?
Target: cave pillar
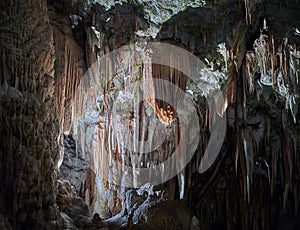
(28, 123)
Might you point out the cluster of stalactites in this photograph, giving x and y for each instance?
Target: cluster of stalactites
(166, 89)
(277, 66)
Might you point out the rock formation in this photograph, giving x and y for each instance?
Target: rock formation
(29, 124)
(63, 148)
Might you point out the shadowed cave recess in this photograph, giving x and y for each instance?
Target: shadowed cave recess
(95, 96)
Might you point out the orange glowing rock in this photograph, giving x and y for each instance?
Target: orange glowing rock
(165, 116)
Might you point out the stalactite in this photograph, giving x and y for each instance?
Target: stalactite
(250, 65)
(260, 152)
(279, 74)
(69, 67)
(166, 95)
(248, 13)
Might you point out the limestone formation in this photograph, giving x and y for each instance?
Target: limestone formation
(66, 98)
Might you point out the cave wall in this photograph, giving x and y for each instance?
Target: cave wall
(44, 55)
(114, 28)
(70, 61)
(228, 186)
(255, 182)
(42, 62)
(29, 126)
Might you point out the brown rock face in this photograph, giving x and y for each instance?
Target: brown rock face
(28, 123)
(69, 64)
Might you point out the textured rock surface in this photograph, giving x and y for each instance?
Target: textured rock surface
(45, 49)
(108, 31)
(4, 224)
(74, 164)
(74, 211)
(69, 61)
(148, 208)
(225, 35)
(261, 138)
(66, 195)
(67, 222)
(29, 126)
